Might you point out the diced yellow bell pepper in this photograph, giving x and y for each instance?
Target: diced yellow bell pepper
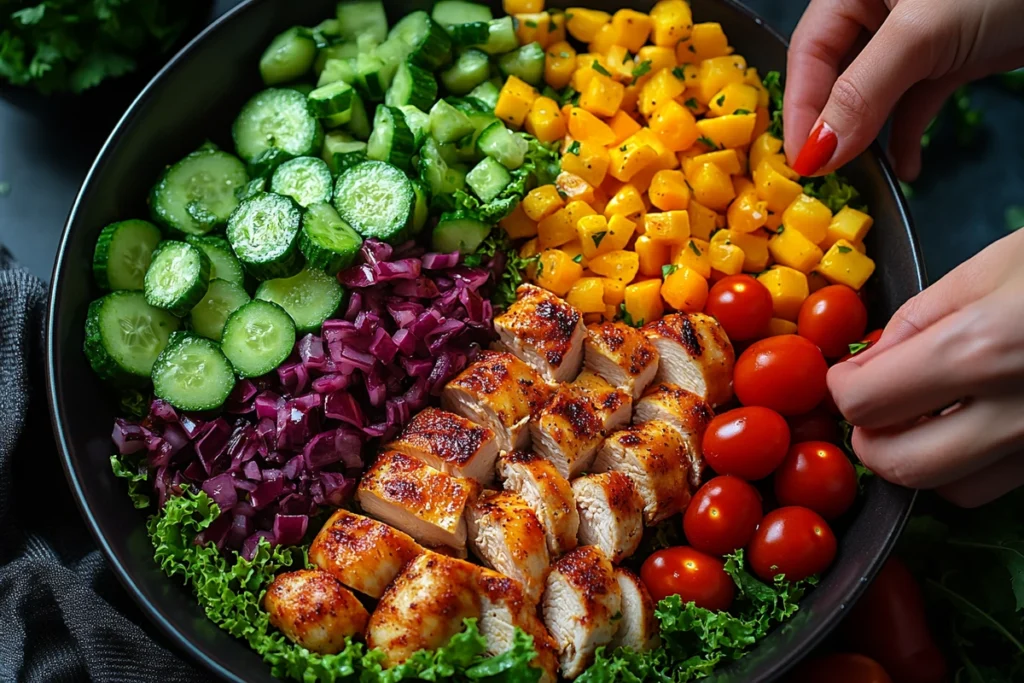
(629, 158)
(732, 130)
(556, 28)
(659, 58)
(621, 265)
(620, 231)
(685, 290)
(619, 63)
(716, 73)
(574, 187)
(763, 121)
(586, 127)
(533, 27)
(712, 187)
(556, 229)
(809, 216)
(754, 80)
(726, 159)
(671, 227)
(703, 221)
(764, 146)
(600, 200)
(669, 191)
(774, 188)
(514, 101)
(778, 327)
(727, 259)
(733, 98)
(674, 125)
(642, 301)
(587, 295)
(541, 202)
(614, 291)
(602, 96)
(588, 160)
(754, 246)
(606, 37)
(848, 224)
(694, 253)
(530, 248)
(557, 272)
(651, 255)
(578, 209)
(521, 6)
(672, 21)
(791, 248)
(631, 98)
(591, 231)
(545, 121)
(633, 26)
(842, 264)
(741, 184)
(623, 125)
(662, 87)
(583, 24)
(778, 162)
(518, 225)
(575, 251)
(706, 41)
(747, 213)
(788, 288)
(627, 201)
(774, 221)
(559, 64)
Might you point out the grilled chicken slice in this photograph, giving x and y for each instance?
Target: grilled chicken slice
(425, 503)
(638, 629)
(581, 603)
(450, 443)
(544, 331)
(652, 454)
(504, 608)
(685, 411)
(611, 513)
(568, 431)
(501, 392)
(614, 405)
(362, 553)
(312, 609)
(547, 492)
(505, 533)
(695, 354)
(622, 355)
(424, 607)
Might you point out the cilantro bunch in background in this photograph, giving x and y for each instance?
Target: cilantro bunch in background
(73, 45)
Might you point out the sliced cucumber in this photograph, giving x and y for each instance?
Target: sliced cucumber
(392, 52)
(431, 47)
(376, 199)
(371, 76)
(526, 62)
(499, 142)
(310, 297)
(327, 242)
(421, 209)
(473, 33)
(123, 254)
(264, 234)
(501, 37)
(440, 178)
(124, 335)
(251, 188)
(448, 124)
(487, 93)
(341, 151)
(359, 123)
(304, 88)
(258, 337)
(198, 193)
(454, 12)
(363, 17)
(338, 71)
(413, 86)
(470, 69)
(192, 373)
(223, 264)
(221, 300)
(288, 57)
(307, 180)
(332, 102)
(177, 277)
(487, 179)
(459, 231)
(276, 122)
(391, 139)
(343, 51)
(418, 122)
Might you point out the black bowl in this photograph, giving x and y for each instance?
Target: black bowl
(196, 96)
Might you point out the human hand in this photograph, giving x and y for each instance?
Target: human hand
(918, 53)
(959, 343)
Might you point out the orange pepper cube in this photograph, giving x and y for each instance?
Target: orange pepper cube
(684, 289)
(621, 265)
(642, 302)
(733, 130)
(556, 229)
(669, 191)
(591, 231)
(559, 64)
(586, 127)
(629, 158)
(587, 295)
(614, 291)
(775, 189)
(707, 41)
(520, 6)
(695, 254)
(541, 202)
(627, 201)
(619, 63)
(674, 125)
(810, 216)
(790, 248)
(602, 96)
(727, 259)
(583, 24)
(557, 272)
(662, 87)
(545, 121)
(726, 159)
(588, 160)
(623, 125)
(703, 221)
(712, 187)
(734, 98)
(672, 227)
(716, 73)
(747, 212)
(672, 22)
(514, 101)
(651, 255)
(633, 28)
(571, 186)
(518, 225)
(788, 288)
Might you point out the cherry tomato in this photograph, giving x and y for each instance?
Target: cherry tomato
(840, 667)
(794, 541)
(833, 318)
(693, 575)
(722, 516)
(742, 305)
(869, 340)
(747, 442)
(819, 476)
(785, 373)
(817, 425)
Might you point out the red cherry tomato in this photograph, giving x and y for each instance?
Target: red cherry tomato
(840, 667)
(833, 318)
(722, 516)
(785, 373)
(793, 541)
(819, 476)
(869, 340)
(747, 442)
(817, 425)
(742, 305)
(691, 574)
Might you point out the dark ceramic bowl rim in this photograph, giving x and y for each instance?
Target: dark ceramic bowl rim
(57, 403)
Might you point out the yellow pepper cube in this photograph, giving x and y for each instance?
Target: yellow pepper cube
(774, 188)
(672, 22)
(754, 80)
(669, 191)
(651, 255)
(848, 224)
(557, 272)
(788, 288)
(514, 101)
(586, 127)
(529, 248)
(741, 184)
(774, 221)
(619, 63)
(809, 216)
(726, 159)
(602, 96)
(662, 87)
(842, 264)
(588, 160)
(703, 221)
(633, 28)
(623, 125)
(716, 73)
(732, 99)
(674, 125)
(606, 38)
(556, 229)
(707, 41)
(575, 251)
(628, 159)
(541, 202)
(671, 227)
(591, 231)
(621, 265)
(727, 259)
(614, 291)
(584, 71)
(583, 24)
(778, 327)
(518, 225)
(559, 64)
(747, 213)
(732, 130)
(620, 231)
(791, 248)
(545, 121)
(763, 146)
(712, 187)
(631, 98)
(754, 246)
(778, 162)
(627, 201)
(587, 295)
(642, 301)
(578, 209)
(573, 187)
(658, 57)
(694, 253)
(684, 289)
(521, 6)
(532, 27)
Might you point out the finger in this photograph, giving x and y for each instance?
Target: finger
(986, 485)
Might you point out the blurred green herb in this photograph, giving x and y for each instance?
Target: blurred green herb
(1014, 217)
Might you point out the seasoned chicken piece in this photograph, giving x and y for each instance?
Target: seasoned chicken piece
(505, 533)
(687, 412)
(501, 392)
(450, 443)
(362, 553)
(424, 607)
(614, 406)
(312, 609)
(638, 629)
(568, 430)
(695, 354)
(611, 513)
(547, 492)
(652, 454)
(425, 503)
(581, 607)
(544, 331)
(622, 355)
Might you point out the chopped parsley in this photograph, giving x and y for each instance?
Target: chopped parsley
(668, 269)
(844, 250)
(531, 23)
(692, 103)
(720, 101)
(641, 69)
(551, 26)
(833, 191)
(742, 112)
(680, 73)
(692, 49)
(705, 140)
(773, 83)
(627, 318)
(780, 229)
(695, 249)
(857, 347)
(623, 148)
(574, 148)
(568, 95)
(596, 66)
(598, 236)
(578, 258)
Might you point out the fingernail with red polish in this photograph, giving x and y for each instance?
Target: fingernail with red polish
(817, 151)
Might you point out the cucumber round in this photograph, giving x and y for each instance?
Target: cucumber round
(306, 180)
(310, 297)
(177, 277)
(459, 231)
(123, 253)
(192, 374)
(264, 234)
(198, 193)
(124, 335)
(223, 264)
(221, 300)
(276, 123)
(391, 139)
(258, 337)
(327, 242)
(376, 199)
(288, 57)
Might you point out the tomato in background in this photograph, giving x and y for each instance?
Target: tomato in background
(747, 442)
(840, 667)
(742, 305)
(819, 476)
(817, 425)
(869, 340)
(722, 516)
(785, 373)
(833, 318)
(693, 575)
(794, 541)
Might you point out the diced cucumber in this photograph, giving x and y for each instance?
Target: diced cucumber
(499, 142)
(192, 373)
(418, 122)
(487, 93)
(421, 209)
(332, 102)
(359, 123)
(310, 297)
(367, 43)
(326, 32)
(369, 76)
(453, 12)
(177, 277)
(123, 254)
(501, 37)
(450, 153)
(338, 70)
(341, 151)
(448, 124)
(392, 52)
(307, 180)
(436, 173)
(465, 149)
(124, 335)
(288, 57)
(473, 33)
(197, 194)
(363, 17)
(327, 242)
(304, 88)
(459, 231)
(487, 179)
(413, 86)
(258, 337)
(431, 47)
(264, 234)
(526, 62)
(470, 69)
(223, 264)
(221, 300)
(276, 120)
(391, 139)
(250, 189)
(376, 199)
(337, 51)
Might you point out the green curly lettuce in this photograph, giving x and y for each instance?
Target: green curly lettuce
(136, 474)
(834, 191)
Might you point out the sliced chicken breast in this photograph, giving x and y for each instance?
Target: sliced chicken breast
(581, 607)
(450, 443)
(611, 513)
(568, 430)
(622, 355)
(547, 492)
(362, 553)
(684, 410)
(500, 392)
(544, 331)
(652, 454)
(425, 503)
(695, 354)
(638, 629)
(505, 533)
(614, 405)
(311, 608)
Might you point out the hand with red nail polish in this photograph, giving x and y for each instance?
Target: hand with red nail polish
(918, 53)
